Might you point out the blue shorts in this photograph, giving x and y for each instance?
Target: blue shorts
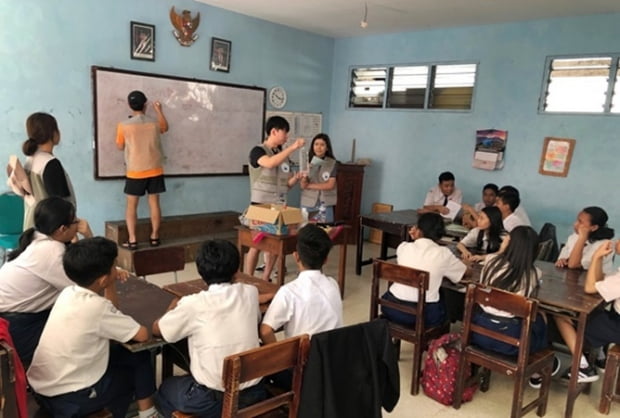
(512, 328)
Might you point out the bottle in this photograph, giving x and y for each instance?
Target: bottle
(322, 217)
(303, 162)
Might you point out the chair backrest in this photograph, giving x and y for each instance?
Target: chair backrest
(394, 273)
(12, 210)
(265, 361)
(158, 260)
(548, 249)
(519, 306)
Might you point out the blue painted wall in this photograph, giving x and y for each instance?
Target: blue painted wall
(47, 49)
(410, 148)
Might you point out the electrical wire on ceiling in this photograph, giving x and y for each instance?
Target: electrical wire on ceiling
(364, 22)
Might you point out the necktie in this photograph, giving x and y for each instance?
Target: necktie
(445, 200)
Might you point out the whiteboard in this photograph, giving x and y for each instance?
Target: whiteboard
(212, 126)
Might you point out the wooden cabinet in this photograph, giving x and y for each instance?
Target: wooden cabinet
(350, 179)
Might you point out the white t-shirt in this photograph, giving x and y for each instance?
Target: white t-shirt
(588, 251)
(522, 214)
(436, 197)
(426, 255)
(217, 322)
(33, 281)
(512, 221)
(609, 289)
(74, 349)
(309, 304)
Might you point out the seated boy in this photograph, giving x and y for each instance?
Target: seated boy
(311, 303)
(603, 326)
(437, 198)
(470, 213)
(520, 211)
(507, 202)
(217, 322)
(75, 371)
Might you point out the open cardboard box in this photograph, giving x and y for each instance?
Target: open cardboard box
(274, 219)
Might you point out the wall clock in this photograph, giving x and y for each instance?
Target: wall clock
(277, 97)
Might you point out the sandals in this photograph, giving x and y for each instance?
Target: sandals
(154, 242)
(131, 246)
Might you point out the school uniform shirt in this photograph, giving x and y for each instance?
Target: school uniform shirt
(522, 214)
(32, 281)
(609, 289)
(74, 348)
(436, 197)
(479, 206)
(426, 255)
(588, 251)
(309, 304)
(471, 239)
(217, 322)
(512, 221)
(522, 291)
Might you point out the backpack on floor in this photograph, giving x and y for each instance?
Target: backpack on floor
(440, 369)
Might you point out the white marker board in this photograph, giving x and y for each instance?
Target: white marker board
(212, 126)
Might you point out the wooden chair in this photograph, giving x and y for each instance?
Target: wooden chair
(159, 260)
(260, 362)
(521, 367)
(416, 334)
(610, 393)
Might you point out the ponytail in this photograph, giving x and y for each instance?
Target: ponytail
(24, 241)
(29, 147)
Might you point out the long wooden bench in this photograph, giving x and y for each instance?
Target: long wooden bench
(187, 231)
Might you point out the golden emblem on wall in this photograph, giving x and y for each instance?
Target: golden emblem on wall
(185, 26)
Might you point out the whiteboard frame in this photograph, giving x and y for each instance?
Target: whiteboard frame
(95, 69)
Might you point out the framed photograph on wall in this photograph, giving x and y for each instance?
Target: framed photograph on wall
(556, 156)
(142, 41)
(220, 55)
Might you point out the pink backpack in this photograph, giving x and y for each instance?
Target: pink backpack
(440, 368)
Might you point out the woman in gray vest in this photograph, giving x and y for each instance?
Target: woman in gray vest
(319, 192)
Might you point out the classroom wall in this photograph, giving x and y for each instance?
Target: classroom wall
(47, 49)
(410, 148)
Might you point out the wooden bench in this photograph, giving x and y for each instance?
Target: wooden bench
(187, 231)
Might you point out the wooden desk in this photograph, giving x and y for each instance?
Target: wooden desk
(144, 302)
(198, 285)
(561, 294)
(282, 245)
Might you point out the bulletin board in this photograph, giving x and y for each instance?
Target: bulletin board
(212, 126)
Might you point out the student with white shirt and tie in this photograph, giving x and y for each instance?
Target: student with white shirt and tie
(437, 198)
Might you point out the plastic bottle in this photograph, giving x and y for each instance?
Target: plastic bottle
(322, 217)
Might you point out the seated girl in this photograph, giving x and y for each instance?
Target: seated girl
(486, 237)
(424, 253)
(590, 232)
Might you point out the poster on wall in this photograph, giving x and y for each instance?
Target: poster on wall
(557, 154)
(490, 148)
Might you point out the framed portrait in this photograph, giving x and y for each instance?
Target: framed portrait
(142, 41)
(556, 156)
(220, 55)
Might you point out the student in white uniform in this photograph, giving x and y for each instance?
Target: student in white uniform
(507, 203)
(217, 322)
(520, 211)
(425, 254)
(590, 232)
(438, 197)
(75, 370)
(311, 303)
(470, 213)
(486, 238)
(33, 277)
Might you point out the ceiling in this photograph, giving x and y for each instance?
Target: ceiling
(341, 18)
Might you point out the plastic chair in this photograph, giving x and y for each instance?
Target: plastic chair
(521, 367)
(12, 219)
(416, 334)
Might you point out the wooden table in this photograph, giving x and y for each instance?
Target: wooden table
(561, 294)
(395, 227)
(282, 245)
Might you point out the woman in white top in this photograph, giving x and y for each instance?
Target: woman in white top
(590, 231)
(486, 237)
(33, 277)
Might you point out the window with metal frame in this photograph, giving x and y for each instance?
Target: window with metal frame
(367, 87)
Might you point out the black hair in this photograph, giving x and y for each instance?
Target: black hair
(328, 152)
(432, 226)
(87, 260)
(49, 215)
(40, 128)
(313, 246)
(491, 186)
(510, 198)
(598, 217)
(136, 100)
(509, 189)
(446, 176)
(217, 261)
(494, 233)
(276, 122)
(514, 269)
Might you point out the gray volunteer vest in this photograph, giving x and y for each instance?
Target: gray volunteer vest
(266, 184)
(313, 198)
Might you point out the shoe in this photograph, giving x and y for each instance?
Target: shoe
(600, 363)
(154, 242)
(586, 374)
(260, 268)
(536, 381)
(131, 246)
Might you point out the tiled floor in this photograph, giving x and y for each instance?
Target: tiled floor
(494, 403)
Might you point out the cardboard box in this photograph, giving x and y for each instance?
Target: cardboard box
(274, 219)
